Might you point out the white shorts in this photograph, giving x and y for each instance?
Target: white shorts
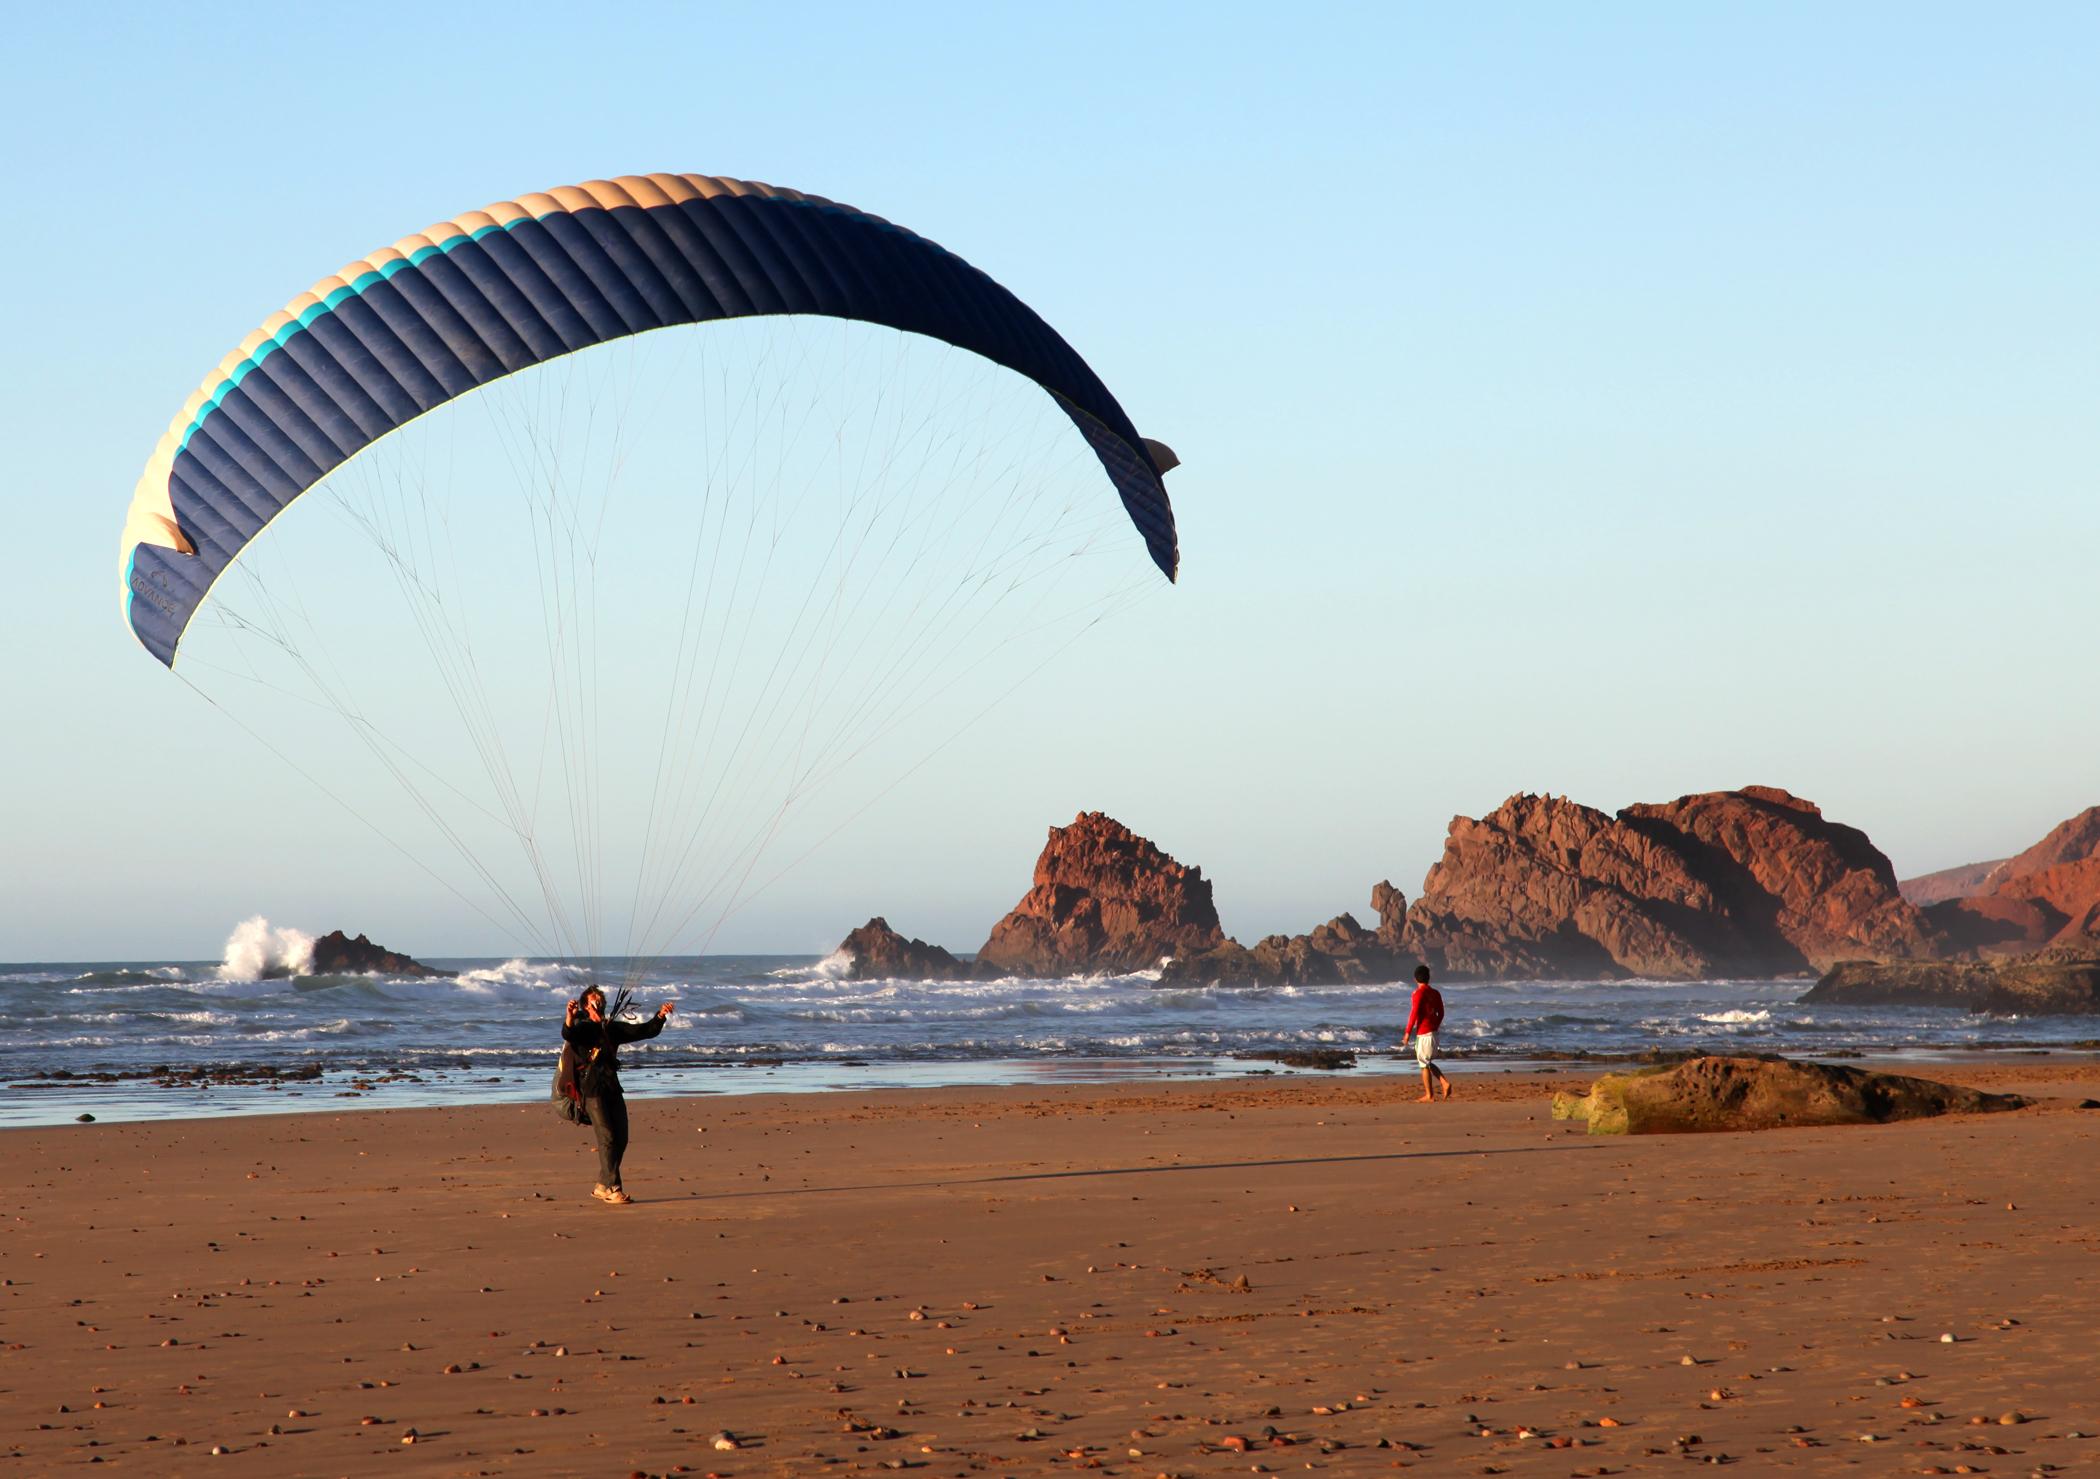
(1425, 1048)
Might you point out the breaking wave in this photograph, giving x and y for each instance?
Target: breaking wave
(256, 951)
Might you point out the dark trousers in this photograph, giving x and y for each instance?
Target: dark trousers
(608, 1112)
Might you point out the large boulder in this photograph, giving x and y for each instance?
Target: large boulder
(2059, 982)
(1725, 883)
(1103, 899)
(336, 954)
(879, 953)
(1709, 1094)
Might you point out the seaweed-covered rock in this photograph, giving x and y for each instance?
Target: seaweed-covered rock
(1710, 1094)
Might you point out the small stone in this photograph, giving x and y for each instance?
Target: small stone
(724, 1442)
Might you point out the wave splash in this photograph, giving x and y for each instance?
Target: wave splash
(256, 951)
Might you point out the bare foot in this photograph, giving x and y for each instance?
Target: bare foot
(1425, 1099)
(1447, 1088)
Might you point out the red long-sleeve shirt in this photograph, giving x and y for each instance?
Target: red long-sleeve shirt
(1426, 1012)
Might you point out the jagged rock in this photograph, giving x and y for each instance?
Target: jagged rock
(1725, 883)
(1707, 1094)
(2058, 982)
(1339, 951)
(881, 954)
(336, 954)
(1104, 899)
(1390, 905)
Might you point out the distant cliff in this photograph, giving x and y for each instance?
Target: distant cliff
(2047, 896)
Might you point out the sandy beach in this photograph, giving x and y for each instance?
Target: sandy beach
(1189, 1279)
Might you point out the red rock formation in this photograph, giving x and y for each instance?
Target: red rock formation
(881, 954)
(1751, 882)
(1827, 890)
(1104, 899)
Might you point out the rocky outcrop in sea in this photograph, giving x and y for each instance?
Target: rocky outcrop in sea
(879, 953)
(1339, 951)
(1755, 882)
(336, 954)
(1103, 899)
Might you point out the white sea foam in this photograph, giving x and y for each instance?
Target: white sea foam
(1737, 1017)
(257, 952)
(533, 976)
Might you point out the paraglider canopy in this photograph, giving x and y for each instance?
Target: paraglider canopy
(487, 294)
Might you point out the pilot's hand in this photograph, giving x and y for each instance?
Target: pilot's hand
(568, 1015)
(666, 1009)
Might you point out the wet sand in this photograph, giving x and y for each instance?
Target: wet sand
(1180, 1279)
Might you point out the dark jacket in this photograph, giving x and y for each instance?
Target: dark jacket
(597, 1046)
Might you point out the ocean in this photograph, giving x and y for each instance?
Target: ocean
(152, 1039)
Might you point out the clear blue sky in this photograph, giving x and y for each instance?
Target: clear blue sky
(1612, 400)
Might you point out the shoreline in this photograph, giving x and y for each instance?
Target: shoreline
(243, 1091)
(1311, 1269)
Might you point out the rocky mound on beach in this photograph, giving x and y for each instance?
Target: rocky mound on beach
(1103, 899)
(879, 953)
(336, 954)
(1723, 883)
(2047, 896)
(2064, 981)
(1709, 1094)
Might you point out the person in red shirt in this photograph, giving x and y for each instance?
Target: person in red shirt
(1425, 1014)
